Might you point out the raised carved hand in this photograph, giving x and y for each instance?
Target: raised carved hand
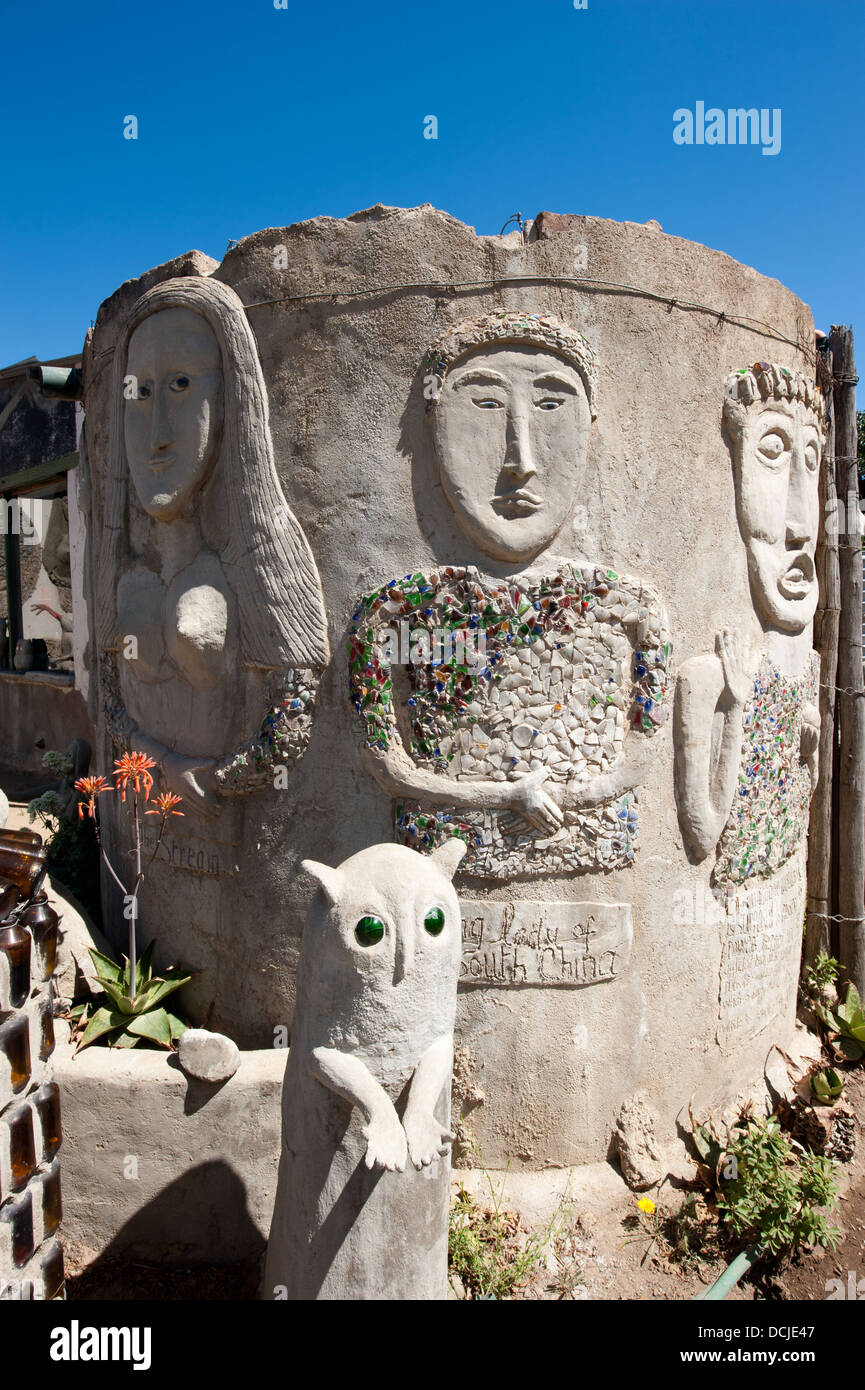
(535, 804)
(734, 653)
(809, 742)
(193, 779)
(706, 685)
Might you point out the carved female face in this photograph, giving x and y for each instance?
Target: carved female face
(511, 431)
(777, 458)
(173, 409)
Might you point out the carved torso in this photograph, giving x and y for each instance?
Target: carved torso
(181, 628)
(185, 648)
(573, 660)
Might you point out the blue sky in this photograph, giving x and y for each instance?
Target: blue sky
(251, 116)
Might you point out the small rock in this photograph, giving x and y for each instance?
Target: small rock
(639, 1154)
(207, 1056)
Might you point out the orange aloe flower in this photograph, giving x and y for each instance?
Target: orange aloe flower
(164, 804)
(132, 767)
(92, 787)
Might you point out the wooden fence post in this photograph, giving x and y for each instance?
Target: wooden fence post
(822, 900)
(851, 701)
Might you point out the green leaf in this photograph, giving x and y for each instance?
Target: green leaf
(103, 1021)
(178, 1027)
(851, 1049)
(158, 989)
(125, 1039)
(154, 1025)
(121, 1001)
(144, 968)
(702, 1142)
(827, 1085)
(106, 969)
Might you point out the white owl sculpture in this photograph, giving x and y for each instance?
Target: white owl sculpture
(362, 1199)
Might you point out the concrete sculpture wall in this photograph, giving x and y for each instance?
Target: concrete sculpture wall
(526, 439)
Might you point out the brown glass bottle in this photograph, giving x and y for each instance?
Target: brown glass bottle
(47, 1103)
(41, 919)
(22, 1145)
(46, 1030)
(17, 1213)
(52, 1206)
(21, 837)
(9, 897)
(15, 1046)
(23, 865)
(52, 1271)
(15, 947)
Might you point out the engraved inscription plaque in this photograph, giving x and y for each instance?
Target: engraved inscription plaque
(520, 942)
(760, 954)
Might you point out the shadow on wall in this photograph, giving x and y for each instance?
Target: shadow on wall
(167, 1250)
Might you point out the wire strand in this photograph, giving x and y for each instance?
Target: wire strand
(842, 689)
(572, 282)
(832, 916)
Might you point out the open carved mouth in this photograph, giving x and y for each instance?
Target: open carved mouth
(798, 579)
(517, 503)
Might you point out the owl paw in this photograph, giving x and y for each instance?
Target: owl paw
(427, 1139)
(386, 1143)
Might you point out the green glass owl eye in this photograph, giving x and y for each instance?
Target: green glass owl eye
(434, 921)
(369, 931)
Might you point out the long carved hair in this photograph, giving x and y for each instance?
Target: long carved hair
(267, 558)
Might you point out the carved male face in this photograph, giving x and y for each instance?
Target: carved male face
(511, 431)
(173, 413)
(777, 460)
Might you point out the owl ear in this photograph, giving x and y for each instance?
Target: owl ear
(449, 856)
(329, 880)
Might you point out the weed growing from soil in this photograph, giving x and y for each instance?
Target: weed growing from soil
(775, 1192)
(490, 1251)
(485, 1248)
(822, 972)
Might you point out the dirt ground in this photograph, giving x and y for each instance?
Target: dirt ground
(614, 1256)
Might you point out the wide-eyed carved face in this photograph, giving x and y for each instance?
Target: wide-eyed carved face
(511, 431)
(777, 454)
(392, 914)
(172, 410)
